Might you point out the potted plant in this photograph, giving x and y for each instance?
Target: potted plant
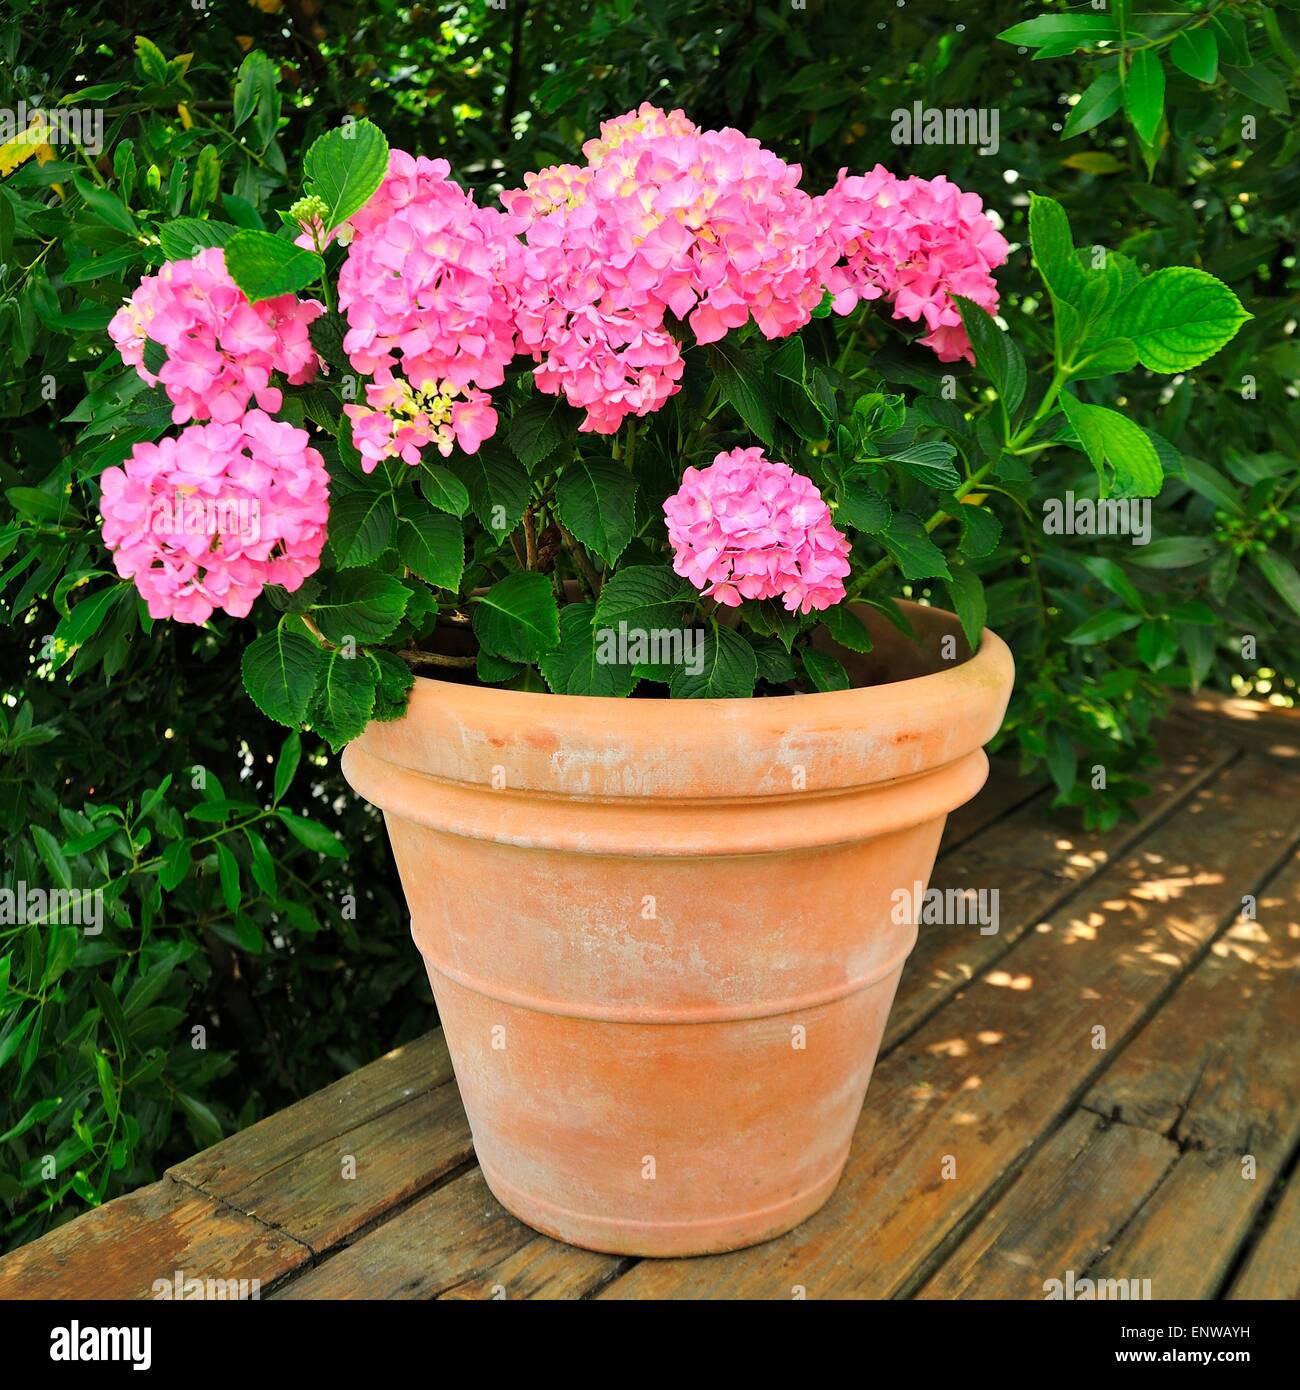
(583, 528)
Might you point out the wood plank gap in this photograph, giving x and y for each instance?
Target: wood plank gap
(228, 1205)
(939, 1253)
(1007, 940)
(1290, 1173)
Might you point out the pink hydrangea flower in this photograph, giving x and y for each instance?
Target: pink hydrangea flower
(398, 421)
(207, 518)
(221, 350)
(748, 528)
(917, 242)
(428, 282)
(665, 220)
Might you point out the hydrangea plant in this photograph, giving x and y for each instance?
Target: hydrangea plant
(477, 441)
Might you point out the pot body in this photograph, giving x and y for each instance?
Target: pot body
(664, 936)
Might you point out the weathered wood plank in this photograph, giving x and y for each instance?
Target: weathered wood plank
(1036, 859)
(255, 1152)
(349, 1181)
(1062, 1214)
(1263, 729)
(1272, 1270)
(980, 1084)
(120, 1249)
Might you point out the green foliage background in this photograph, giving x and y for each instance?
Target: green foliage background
(133, 757)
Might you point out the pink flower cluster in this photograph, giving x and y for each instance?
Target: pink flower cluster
(264, 494)
(748, 528)
(428, 286)
(399, 420)
(917, 242)
(664, 218)
(221, 350)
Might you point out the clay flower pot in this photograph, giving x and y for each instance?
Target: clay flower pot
(660, 933)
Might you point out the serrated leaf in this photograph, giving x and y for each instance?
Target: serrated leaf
(980, 533)
(742, 384)
(345, 166)
(917, 555)
(596, 501)
(862, 506)
(443, 489)
(360, 527)
(1178, 317)
(365, 607)
(344, 697)
(729, 670)
(184, 237)
(846, 628)
(1111, 438)
(264, 266)
(431, 544)
(518, 618)
(279, 671)
(822, 670)
(966, 590)
(497, 485)
(1052, 244)
(929, 461)
(580, 664)
(996, 354)
(538, 428)
(643, 596)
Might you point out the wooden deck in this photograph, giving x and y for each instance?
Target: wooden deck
(1004, 1141)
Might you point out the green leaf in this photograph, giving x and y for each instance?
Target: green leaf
(313, 835)
(1098, 103)
(82, 623)
(980, 531)
(1108, 573)
(968, 602)
(1261, 85)
(279, 671)
(264, 266)
(1062, 759)
(578, 666)
(228, 872)
(1101, 627)
(517, 618)
(345, 166)
(107, 207)
(176, 861)
(862, 506)
(107, 1085)
(343, 698)
(995, 353)
(729, 670)
(360, 527)
(1157, 644)
(1174, 552)
(1178, 317)
(1144, 93)
(930, 461)
(205, 1128)
(286, 766)
(393, 682)
(1196, 52)
(1109, 437)
(643, 596)
(917, 555)
(823, 670)
(443, 489)
(742, 384)
(1281, 574)
(52, 856)
(34, 1114)
(595, 499)
(206, 182)
(262, 865)
(498, 487)
(1077, 29)
(846, 628)
(1052, 244)
(538, 428)
(366, 607)
(431, 544)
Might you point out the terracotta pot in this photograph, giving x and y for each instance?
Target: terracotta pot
(661, 934)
